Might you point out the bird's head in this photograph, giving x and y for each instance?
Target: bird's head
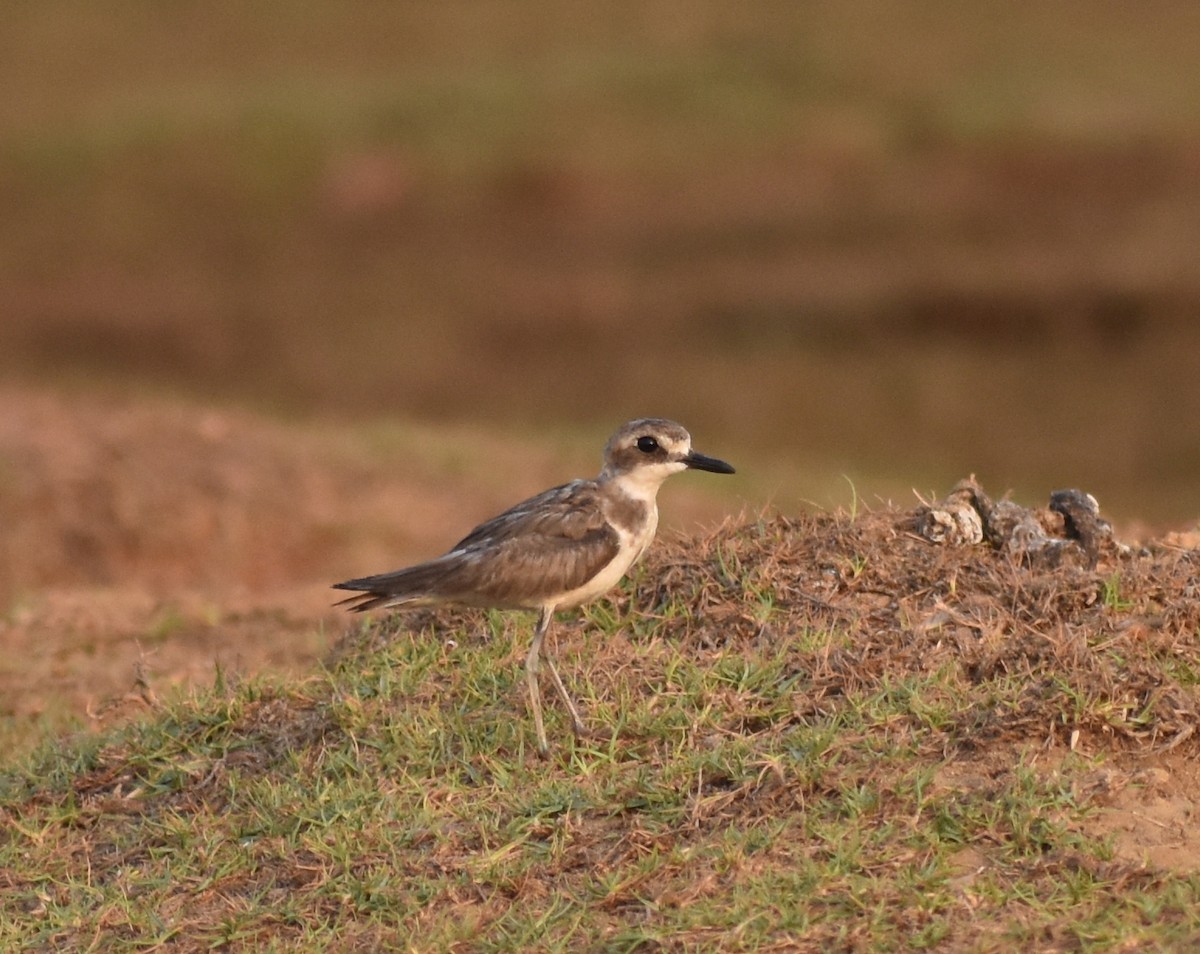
(645, 452)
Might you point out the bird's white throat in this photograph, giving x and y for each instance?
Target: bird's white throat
(642, 483)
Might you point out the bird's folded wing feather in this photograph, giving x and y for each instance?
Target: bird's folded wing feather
(548, 545)
(570, 511)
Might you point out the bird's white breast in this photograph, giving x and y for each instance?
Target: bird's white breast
(634, 542)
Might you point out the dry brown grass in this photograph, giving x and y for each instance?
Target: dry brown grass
(1114, 644)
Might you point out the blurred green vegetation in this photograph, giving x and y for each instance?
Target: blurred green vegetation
(901, 242)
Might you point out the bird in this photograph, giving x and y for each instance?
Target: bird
(555, 551)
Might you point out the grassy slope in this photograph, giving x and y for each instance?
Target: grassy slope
(826, 735)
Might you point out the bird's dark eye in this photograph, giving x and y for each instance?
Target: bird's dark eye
(647, 445)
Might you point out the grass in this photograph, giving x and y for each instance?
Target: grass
(765, 781)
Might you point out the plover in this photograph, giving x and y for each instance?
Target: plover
(555, 551)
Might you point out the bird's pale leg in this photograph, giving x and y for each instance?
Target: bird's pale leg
(535, 694)
(577, 726)
(531, 676)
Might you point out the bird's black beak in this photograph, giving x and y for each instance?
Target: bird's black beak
(698, 461)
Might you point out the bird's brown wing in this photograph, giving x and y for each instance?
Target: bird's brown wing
(570, 511)
(548, 545)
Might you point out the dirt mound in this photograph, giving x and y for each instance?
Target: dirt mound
(105, 490)
(1064, 643)
(1112, 640)
(1074, 645)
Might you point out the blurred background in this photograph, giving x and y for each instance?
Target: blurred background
(895, 243)
(297, 291)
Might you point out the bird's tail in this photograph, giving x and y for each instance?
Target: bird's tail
(413, 585)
